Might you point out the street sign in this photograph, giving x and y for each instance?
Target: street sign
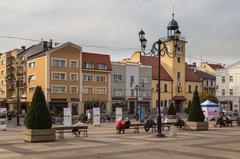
(142, 114)
(67, 118)
(96, 116)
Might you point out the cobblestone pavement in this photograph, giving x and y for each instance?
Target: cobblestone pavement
(217, 143)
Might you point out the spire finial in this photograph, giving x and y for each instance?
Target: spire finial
(173, 12)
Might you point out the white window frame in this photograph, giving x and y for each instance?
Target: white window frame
(102, 68)
(59, 86)
(54, 72)
(86, 64)
(105, 78)
(30, 64)
(70, 63)
(84, 87)
(34, 87)
(2, 70)
(88, 75)
(52, 63)
(105, 92)
(74, 86)
(70, 78)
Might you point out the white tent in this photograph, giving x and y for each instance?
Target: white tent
(211, 110)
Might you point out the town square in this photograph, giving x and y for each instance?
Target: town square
(119, 79)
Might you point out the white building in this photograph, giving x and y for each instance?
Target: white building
(228, 87)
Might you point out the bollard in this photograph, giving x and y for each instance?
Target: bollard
(173, 131)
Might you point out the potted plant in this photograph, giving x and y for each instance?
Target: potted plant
(38, 120)
(172, 111)
(195, 115)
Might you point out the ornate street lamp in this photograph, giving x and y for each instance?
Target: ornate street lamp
(159, 49)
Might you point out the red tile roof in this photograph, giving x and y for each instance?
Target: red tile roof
(96, 59)
(153, 61)
(215, 66)
(190, 75)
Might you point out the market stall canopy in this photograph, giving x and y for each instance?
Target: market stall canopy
(208, 103)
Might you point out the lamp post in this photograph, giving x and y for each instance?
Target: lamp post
(137, 93)
(159, 49)
(18, 103)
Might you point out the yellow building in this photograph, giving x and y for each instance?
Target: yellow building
(178, 80)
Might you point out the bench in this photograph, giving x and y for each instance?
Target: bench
(60, 130)
(136, 126)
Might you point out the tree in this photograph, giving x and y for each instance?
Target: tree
(208, 96)
(172, 110)
(38, 116)
(195, 110)
(187, 110)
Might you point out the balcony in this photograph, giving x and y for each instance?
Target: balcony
(10, 86)
(20, 63)
(21, 74)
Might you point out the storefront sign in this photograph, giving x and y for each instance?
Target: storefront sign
(118, 113)
(142, 114)
(3, 118)
(96, 116)
(67, 118)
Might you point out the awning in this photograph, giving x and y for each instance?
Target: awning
(179, 98)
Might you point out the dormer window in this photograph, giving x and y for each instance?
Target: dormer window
(89, 65)
(102, 66)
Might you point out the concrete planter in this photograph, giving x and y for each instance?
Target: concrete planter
(38, 135)
(197, 126)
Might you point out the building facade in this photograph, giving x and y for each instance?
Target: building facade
(228, 87)
(131, 86)
(209, 68)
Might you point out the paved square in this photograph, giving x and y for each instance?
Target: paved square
(217, 143)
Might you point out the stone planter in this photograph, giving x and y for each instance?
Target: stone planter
(38, 135)
(197, 126)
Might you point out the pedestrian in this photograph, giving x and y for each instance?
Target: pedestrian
(120, 126)
(89, 117)
(76, 126)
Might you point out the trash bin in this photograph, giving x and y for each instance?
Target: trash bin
(173, 131)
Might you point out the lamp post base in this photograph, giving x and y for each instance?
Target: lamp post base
(159, 135)
(18, 125)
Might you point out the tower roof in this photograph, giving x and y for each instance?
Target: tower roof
(172, 25)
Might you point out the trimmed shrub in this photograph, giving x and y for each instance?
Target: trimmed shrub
(38, 116)
(195, 111)
(172, 110)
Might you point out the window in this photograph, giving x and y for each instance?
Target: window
(207, 83)
(231, 78)
(58, 76)
(73, 64)
(87, 90)
(231, 92)
(31, 64)
(74, 108)
(58, 63)
(89, 65)
(132, 79)
(32, 77)
(165, 88)
(102, 66)
(59, 89)
(2, 62)
(189, 89)
(117, 92)
(196, 88)
(178, 60)
(100, 78)
(178, 76)
(74, 89)
(223, 92)
(31, 89)
(223, 79)
(211, 83)
(87, 78)
(165, 103)
(2, 72)
(2, 82)
(74, 77)
(117, 78)
(100, 90)
(157, 88)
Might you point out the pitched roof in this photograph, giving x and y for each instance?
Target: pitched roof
(96, 59)
(153, 61)
(190, 75)
(215, 66)
(204, 75)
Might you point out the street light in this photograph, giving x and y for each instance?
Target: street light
(159, 49)
(18, 103)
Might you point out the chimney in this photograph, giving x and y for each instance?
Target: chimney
(50, 43)
(23, 47)
(194, 64)
(45, 45)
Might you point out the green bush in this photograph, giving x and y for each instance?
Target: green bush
(195, 111)
(38, 116)
(172, 110)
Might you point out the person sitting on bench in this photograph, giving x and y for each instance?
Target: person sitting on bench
(228, 121)
(120, 126)
(220, 121)
(149, 124)
(75, 129)
(179, 123)
(127, 124)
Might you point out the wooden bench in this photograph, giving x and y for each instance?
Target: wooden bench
(60, 130)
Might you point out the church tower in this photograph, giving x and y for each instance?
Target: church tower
(175, 65)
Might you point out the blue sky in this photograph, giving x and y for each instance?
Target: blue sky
(211, 27)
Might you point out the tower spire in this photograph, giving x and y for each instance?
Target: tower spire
(173, 12)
